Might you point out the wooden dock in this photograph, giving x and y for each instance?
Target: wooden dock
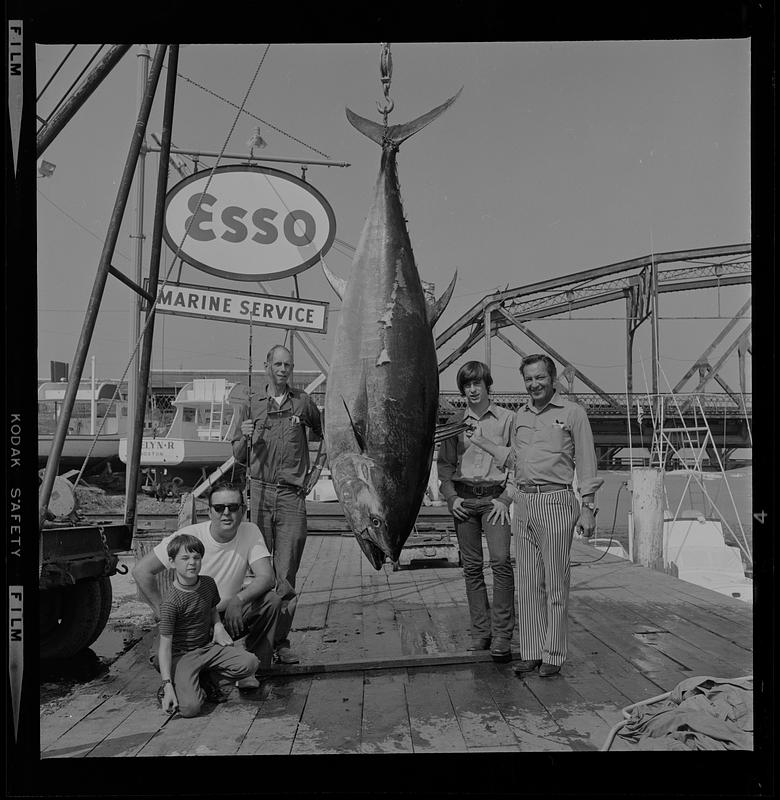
(384, 669)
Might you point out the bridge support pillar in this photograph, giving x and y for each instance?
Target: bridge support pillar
(647, 511)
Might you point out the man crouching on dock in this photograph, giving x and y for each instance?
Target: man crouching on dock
(231, 547)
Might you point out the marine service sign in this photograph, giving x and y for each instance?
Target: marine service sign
(259, 309)
(248, 222)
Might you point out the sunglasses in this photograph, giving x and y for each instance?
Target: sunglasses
(231, 507)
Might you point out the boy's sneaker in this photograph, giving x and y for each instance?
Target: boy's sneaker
(248, 684)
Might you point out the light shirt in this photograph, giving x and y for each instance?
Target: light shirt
(226, 562)
(461, 461)
(280, 398)
(548, 445)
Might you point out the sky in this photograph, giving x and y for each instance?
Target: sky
(556, 158)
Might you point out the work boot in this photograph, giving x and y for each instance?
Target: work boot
(284, 655)
(248, 684)
(526, 665)
(500, 651)
(481, 643)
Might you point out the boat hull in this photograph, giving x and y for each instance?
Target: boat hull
(76, 448)
(165, 452)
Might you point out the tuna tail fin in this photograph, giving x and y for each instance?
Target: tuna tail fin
(436, 309)
(395, 134)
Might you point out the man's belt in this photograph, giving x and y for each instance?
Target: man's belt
(289, 486)
(479, 490)
(536, 488)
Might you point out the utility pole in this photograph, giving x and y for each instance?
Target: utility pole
(138, 253)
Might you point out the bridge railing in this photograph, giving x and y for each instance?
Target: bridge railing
(713, 403)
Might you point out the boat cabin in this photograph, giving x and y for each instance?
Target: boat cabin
(206, 410)
(88, 410)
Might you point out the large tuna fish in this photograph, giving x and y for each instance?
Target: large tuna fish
(383, 384)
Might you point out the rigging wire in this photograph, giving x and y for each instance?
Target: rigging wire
(54, 74)
(242, 110)
(150, 314)
(67, 92)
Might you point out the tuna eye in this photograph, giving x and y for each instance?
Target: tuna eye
(376, 522)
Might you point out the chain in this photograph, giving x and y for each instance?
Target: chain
(386, 71)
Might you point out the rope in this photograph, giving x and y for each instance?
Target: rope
(386, 71)
(242, 110)
(150, 315)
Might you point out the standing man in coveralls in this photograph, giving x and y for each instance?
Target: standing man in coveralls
(276, 422)
(551, 437)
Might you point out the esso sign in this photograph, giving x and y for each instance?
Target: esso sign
(248, 223)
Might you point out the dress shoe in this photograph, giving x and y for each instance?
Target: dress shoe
(483, 643)
(500, 651)
(248, 684)
(284, 655)
(526, 665)
(546, 670)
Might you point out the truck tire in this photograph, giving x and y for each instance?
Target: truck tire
(72, 617)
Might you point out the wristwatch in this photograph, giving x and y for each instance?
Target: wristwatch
(589, 504)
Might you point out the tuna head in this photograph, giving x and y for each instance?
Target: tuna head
(359, 481)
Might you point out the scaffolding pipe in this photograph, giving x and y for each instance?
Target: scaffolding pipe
(134, 454)
(93, 306)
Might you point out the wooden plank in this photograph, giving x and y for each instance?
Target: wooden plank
(381, 636)
(414, 623)
(331, 720)
(532, 725)
(227, 727)
(91, 730)
(433, 722)
(276, 722)
(312, 608)
(385, 724)
(342, 632)
(636, 620)
(577, 718)
(133, 733)
(179, 735)
(481, 722)
(58, 722)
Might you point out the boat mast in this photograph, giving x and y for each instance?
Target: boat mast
(138, 255)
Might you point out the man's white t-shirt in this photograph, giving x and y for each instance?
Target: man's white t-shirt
(225, 562)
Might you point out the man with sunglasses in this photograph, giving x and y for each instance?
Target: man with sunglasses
(231, 548)
(276, 424)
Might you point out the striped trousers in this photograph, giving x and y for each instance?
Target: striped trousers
(544, 534)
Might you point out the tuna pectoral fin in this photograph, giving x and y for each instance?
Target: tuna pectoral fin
(339, 285)
(397, 133)
(357, 428)
(374, 554)
(436, 308)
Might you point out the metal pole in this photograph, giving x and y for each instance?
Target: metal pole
(246, 157)
(654, 326)
(134, 452)
(97, 289)
(135, 303)
(488, 315)
(629, 345)
(79, 97)
(92, 405)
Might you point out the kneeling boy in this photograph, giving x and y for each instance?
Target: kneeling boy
(187, 615)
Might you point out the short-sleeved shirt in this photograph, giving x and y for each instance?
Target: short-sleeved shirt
(185, 614)
(280, 449)
(460, 461)
(548, 445)
(226, 562)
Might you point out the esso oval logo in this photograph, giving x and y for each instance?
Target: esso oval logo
(248, 223)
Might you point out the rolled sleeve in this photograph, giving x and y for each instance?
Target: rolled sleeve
(446, 464)
(584, 453)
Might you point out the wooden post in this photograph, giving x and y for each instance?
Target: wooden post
(647, 487)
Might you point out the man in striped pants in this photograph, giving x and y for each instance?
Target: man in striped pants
(551, 437)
